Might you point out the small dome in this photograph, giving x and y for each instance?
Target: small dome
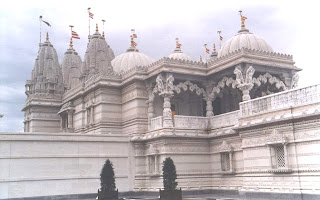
(244, 39)
(178, 54)
(130, 59)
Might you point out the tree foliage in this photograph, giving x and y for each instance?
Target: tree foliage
(169, 174)
(107, 178)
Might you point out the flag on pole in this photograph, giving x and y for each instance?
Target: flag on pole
(207, 50)
(221, 38)
(75, 35)
(45, 22)
(91, 15)
(243, 17)
(134, 35)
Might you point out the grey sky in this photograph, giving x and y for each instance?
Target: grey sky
(289, 27)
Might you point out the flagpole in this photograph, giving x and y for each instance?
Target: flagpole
(40, 27)
(205, 46)
(219, 32)
(89, 19)
(71, 45)
(103, 27)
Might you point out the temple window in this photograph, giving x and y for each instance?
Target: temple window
(88, 116)
(226, 152)
(225, 162)
(277, 144)
(152, 164)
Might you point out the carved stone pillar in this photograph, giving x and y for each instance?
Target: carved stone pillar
(150, 103)
(245, 88)
(70, 119)
(167, 113)
(150, 112)
(209, 108)
(92, 115)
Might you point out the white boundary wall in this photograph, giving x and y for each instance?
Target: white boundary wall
(44, 164)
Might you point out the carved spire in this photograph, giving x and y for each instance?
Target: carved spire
(47, 38)
(97, 29)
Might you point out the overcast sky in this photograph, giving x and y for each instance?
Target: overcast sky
(290, 27)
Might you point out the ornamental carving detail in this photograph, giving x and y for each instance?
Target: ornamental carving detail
(294, 80)
(225, 81)
(164, 86)
(224, 147)
(192, 87)
(276, 137)
(271, 79)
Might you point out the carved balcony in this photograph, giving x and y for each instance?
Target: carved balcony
(281, 100)
(190, 122)
(224, 120)
(182, 122)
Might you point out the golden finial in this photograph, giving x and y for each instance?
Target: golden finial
(97, 29)
(178, 45)
(71, 45)
(214, 48)
(133, 43)
(200, 58)
(243, 19)
(47, 38)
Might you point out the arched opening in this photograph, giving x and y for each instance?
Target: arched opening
(227, 100)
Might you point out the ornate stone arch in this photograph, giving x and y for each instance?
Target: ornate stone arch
(192, 87)
(268, 78)
(225, 81)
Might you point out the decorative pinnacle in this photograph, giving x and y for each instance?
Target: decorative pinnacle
(214, 48)
(178, 45)
(97, 29)
(200, 58)
(133, 43)
(243, 19)
(47, 38)
(71, 45)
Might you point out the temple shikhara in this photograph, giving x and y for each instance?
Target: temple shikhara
(235, 122)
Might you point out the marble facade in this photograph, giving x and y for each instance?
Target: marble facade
(237, 122)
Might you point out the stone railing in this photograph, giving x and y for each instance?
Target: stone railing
(156, 123)
(224, 120)
(183, 122)
(286, 99)
(190, 122)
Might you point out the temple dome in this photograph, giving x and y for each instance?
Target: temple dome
(71, 65)
(130, 59)
(178, 54)
(244, 39)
